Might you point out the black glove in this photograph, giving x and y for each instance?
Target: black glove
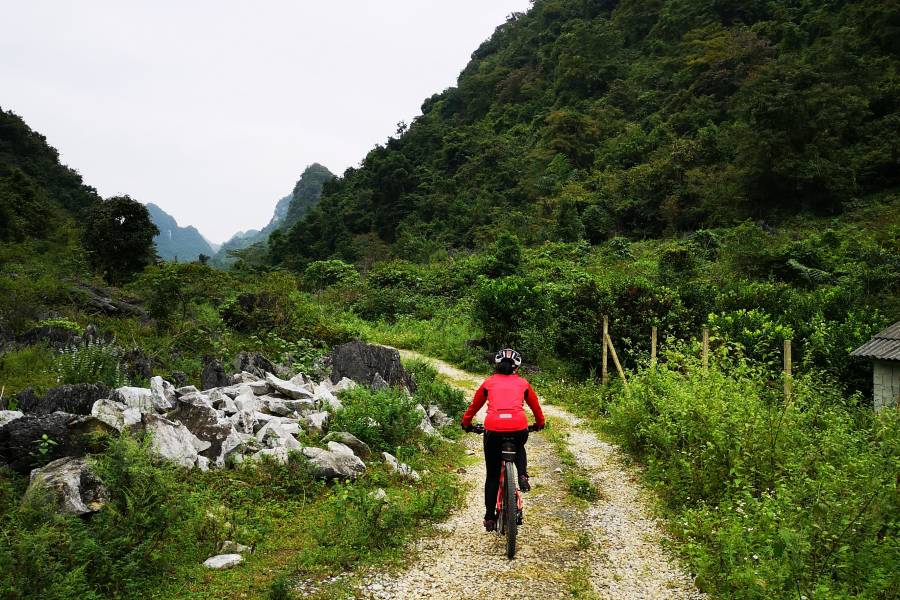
(537, 427)
(468, 428)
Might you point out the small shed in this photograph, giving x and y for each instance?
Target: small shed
(885, 349)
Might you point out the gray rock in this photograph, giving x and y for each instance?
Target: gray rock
(135, 397)
(205, 423)
(223, 561)
(257, 364)
(339, 448)
(326, 399)
(304, 406)
(361, 362)
(69, 485)
(279, 454)
(276, 406)
(18, 438)
(321, 367)
(75, 399)
(316, 422)
(98, 299)
(56, 337)
(245, 377)
(171, 441)
(179, 378)
(198, 398)
(438, 418)
(163, 394)
(402, 469)
(347, 439)
(115, 414)
(214, 376)
(287, 388)
(379, 494)
(329, 465)
(229, 547)
(7, 416)
(259, 388)
(301, 379)
(379, 384)
(425, 424)
(184, 390)
(138, 365)
(344, 384)
(273, 436)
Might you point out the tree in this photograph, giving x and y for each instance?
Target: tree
(118, 237)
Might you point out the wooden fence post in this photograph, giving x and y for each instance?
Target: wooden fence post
(653, 347)
(706, 348)
(616, 360)
(787, 369)
(605, 337)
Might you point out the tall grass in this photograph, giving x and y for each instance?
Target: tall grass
(768, 498)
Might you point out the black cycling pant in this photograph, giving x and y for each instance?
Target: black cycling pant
(493, 445)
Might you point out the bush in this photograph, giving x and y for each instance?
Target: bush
(510, 310)
(326, 273)
(431, 391)
(120, 553)
(384, 420)
(769, 499)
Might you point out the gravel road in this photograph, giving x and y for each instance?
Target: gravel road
(567, 548)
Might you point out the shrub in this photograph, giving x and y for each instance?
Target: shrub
(431, 391)
(510, 310)
(384, 420)
(326, 273)
(770, 499)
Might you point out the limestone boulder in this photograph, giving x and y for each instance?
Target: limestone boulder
(331, 465)
(7, 416)
(291, 390)
(349, 440)
(163, 394)
(273, 435)
(256, 364)
(214, 376)
(69, 485)
(171, 441)
(361, 362)
(134, 397)
(115, 414)
(207, 425)
(75, 399)
(223, 561)
(438, 418)
(316, 422)
(20, 438)
(402, 469)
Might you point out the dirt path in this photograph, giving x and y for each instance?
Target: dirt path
(567, 548)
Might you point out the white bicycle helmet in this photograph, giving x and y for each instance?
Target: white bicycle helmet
(508, 354)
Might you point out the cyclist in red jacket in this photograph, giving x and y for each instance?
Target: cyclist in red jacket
(505, 393)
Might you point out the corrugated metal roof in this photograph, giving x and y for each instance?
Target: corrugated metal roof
(884, 346)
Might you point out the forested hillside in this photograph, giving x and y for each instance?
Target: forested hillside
(183, 243)
(592, 118)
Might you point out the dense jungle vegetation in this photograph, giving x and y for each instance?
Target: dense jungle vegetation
(678, 164)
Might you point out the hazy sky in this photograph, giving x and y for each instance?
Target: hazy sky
(211, 109)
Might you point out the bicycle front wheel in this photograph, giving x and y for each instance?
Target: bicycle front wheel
(512, 510)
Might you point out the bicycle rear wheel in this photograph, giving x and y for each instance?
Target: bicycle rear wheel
(512, 510)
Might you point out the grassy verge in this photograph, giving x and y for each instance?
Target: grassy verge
(765, 498)
(576, 477)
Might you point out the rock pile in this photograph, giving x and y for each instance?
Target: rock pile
(235, 418)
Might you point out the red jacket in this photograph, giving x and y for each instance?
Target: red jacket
(505, 396)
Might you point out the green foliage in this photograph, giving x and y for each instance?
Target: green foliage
(172, 290)
(326, 273)
(510, 310)
(92, 362)
(768, 498)
(433, 391)
(119, 553)
(62, 323)
(40, 457)
(119, 238)
(384, 420)
(757, 334)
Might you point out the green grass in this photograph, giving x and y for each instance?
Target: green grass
(576, 477)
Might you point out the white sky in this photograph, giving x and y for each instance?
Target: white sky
(211, 109)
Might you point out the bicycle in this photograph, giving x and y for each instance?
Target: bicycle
(508, 495)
